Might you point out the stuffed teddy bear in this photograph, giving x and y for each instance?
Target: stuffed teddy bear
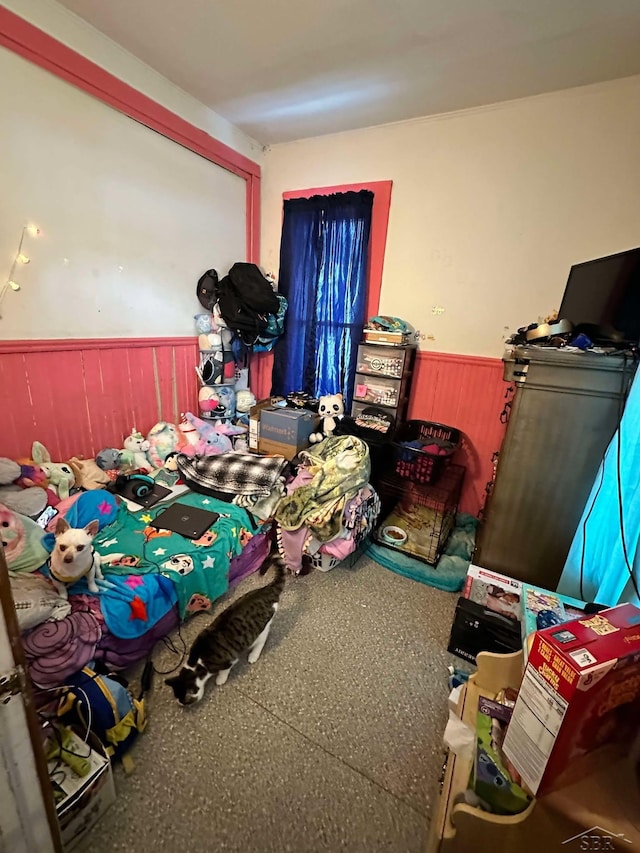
(60, 475)
(134, 455)
(331, 410)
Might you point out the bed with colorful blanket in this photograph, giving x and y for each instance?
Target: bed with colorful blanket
(153, 578)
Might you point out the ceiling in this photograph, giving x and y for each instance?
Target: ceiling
(287, 69)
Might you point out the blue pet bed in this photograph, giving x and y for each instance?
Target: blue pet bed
(450, 572)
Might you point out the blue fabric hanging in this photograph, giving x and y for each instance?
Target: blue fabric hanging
(596, 568)
(323, 274)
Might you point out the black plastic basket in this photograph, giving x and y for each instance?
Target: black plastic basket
(420, 465)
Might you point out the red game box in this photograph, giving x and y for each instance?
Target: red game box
(580, 691)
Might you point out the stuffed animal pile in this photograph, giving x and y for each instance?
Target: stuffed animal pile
(28, 486)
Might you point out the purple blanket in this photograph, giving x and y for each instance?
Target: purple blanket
(55, 650)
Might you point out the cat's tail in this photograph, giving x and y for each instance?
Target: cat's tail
(277, 584)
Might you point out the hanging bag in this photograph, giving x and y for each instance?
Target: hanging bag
(246, 299)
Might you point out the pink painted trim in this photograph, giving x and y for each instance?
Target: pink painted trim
(379, 225)
(455, 358)
(75, 344)
(43, 50)
(253, 219)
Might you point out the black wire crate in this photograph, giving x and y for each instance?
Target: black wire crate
(417, 518)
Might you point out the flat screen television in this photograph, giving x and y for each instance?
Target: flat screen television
(602, 298)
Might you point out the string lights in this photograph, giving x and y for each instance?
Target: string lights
(20, 259)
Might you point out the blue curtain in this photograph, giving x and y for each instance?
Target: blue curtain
(605, 552)
(323, 274)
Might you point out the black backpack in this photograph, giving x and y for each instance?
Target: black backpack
(246, 299)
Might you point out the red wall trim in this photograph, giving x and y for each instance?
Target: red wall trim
(43, 50)
(71, 344)
(466, 392)
(379, 225)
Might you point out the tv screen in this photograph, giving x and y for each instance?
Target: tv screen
(604, 296)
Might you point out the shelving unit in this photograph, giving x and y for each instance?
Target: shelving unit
(604, 803)
(383, 379)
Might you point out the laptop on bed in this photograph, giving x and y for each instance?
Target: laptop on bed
(189, 521)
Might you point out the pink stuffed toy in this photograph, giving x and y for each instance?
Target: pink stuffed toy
(213, 440)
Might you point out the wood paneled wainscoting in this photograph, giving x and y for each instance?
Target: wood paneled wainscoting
(466, 392)
(78, 396)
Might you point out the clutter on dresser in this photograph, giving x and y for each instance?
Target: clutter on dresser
(388, 330)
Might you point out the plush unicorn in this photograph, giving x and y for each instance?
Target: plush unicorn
(134, 454)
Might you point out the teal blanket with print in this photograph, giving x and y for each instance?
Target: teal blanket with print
(199, 568)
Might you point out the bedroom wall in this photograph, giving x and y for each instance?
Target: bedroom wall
(59, 22)
(100, 337)
(489, 209)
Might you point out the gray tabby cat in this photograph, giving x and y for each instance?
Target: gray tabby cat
(242, 626)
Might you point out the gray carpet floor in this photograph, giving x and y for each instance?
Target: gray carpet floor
(330, 742)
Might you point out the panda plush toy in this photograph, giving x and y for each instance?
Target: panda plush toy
(331, 410)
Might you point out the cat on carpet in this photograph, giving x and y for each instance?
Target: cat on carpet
(244, 626)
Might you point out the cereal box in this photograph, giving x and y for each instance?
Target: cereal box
(580, 691)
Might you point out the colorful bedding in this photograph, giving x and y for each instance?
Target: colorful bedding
(198, 568)
(152, 579)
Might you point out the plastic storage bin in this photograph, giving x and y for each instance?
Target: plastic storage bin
(381, 361)
(380, 391)
(434, 443)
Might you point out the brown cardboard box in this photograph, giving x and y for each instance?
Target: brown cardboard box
(279, 448)
(255, 415)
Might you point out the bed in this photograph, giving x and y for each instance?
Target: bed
(153, 579)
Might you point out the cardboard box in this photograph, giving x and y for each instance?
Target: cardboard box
(494, 591)
(277, 448)
(580, 691)
(255, 415)
(378, 336)
(81, 800)
(290, 427)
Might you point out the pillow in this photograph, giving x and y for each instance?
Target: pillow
(36, 601)
(22, 541)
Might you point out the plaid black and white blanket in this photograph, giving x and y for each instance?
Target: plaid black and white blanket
(232, 473)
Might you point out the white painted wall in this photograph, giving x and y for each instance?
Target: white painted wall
(76, 33)
(129, 219)
(490, 207)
